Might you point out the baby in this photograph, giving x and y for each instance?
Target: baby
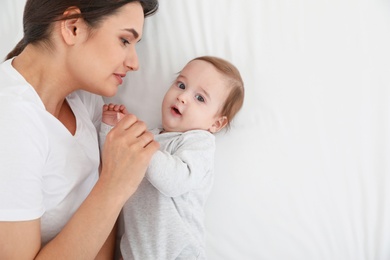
(164, 218)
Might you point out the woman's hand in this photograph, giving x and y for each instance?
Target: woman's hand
(126, 154)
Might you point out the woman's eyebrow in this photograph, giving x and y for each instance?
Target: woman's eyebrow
(132, 31)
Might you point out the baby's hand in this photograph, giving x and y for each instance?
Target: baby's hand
(113, 113)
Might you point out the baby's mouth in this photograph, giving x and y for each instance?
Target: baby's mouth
(176, 110)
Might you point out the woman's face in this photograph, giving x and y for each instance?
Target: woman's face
(103, 58)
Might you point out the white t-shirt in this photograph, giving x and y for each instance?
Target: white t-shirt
(45, 172)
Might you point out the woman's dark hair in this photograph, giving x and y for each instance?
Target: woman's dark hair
(39, 15)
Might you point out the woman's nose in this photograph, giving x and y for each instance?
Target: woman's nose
(131, 61)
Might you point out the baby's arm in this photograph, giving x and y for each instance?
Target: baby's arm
(183, 168)
(113, 113)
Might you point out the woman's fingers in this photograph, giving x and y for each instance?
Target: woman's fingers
(127, 153)
(128, 121)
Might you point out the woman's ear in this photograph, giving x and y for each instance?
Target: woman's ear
(220, 123)
(70, 27)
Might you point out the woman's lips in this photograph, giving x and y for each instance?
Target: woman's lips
(119, 78)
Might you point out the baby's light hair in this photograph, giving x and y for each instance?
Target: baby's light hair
(235, 99)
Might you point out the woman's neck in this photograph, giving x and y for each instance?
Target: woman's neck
(39, 69)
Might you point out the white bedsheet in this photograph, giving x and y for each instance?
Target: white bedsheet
(304, 172)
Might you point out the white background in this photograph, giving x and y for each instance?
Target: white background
(304, 172)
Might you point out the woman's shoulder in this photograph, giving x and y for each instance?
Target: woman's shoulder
(12, 83)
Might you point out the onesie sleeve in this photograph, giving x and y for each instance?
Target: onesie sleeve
(22, 159)
(185, 168)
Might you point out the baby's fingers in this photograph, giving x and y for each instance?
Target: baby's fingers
(116, 107)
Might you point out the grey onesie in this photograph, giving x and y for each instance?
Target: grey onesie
(163, 219)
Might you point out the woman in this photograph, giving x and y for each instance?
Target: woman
(52, 203)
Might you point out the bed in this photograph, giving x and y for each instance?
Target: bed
(304, 172)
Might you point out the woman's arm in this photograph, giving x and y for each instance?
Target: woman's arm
(81, 238)
(20, 240)
(126, 154)
(86, 232)
(108, 249)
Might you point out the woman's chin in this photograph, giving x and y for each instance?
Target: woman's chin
(109, 92)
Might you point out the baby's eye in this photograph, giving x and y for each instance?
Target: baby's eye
(124, 41)
(181, 85)
(199, 98)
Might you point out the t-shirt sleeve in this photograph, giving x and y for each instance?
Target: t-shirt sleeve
(94, 104)
(22, 158)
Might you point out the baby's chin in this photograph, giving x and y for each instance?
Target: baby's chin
(179, 130)
(167, 128)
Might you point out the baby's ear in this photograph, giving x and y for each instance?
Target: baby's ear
(220, 123)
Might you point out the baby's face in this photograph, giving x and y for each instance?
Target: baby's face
(195, 99)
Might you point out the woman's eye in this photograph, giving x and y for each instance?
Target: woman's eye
(124, 41)
(199, 98)
(181, 85)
